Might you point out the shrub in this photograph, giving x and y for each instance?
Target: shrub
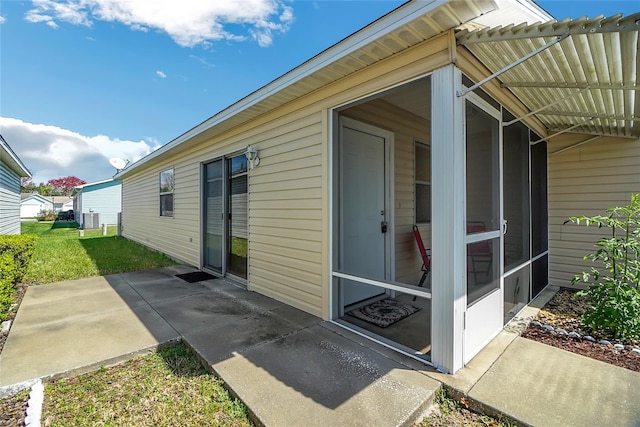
(46, 215)
(21, 247)
(15, 253)
(7, 282)
(613, 287)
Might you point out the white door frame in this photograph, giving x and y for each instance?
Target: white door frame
(389, 237)
(224, 158)
(485, 308)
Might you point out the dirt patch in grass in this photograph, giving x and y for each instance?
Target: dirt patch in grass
(451, 412)
(564, 311)
(13, 410)
(167, 388)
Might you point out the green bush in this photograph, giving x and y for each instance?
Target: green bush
(614, 283)
(7, 282)
(21, 247)
(46, 215)
(15, 253)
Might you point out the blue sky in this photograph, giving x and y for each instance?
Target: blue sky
(80, 84)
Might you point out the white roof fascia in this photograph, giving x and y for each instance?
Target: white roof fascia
(533, 8)
(13, 160)
(77, 188)
(386, 24)
(519, 11)
(36, 196)
(93, 183)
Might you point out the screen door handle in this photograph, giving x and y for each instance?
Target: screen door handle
(383, 226)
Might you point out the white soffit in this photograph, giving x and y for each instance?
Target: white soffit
(407, 26)
(594, 70)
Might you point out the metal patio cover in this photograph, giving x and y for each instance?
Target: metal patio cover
(584, 81)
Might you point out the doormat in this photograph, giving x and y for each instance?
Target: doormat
(385, 312)
(196, 276)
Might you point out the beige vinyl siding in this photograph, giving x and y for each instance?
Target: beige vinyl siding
(585, 180)
(177, 236)
(285, 214)
(288, 202)
(407, 128)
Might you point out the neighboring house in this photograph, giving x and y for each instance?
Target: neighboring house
(100, 201)
(403, 123)
(32, 204)
(59, 203)
(67, 205)
(11, 170)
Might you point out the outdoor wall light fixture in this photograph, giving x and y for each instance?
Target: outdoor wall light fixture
(252, 156)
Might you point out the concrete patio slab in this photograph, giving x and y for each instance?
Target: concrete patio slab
(50, 303)
(545, 386)
(69, 343)
(166, 289)
(290, 367)
(315, 377)
(195, 312)
(215, 343)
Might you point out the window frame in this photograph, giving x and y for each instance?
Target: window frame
(165, 212)
(416, 182)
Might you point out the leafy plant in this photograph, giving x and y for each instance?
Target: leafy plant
(15, 253)
(614, 283)
(46, 215)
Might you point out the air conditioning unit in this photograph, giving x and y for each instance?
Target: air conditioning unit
(90, 220)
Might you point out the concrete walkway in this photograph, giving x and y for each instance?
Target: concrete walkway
(291, 368)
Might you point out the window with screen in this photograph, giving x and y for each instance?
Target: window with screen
(167, 186)
(423, 182)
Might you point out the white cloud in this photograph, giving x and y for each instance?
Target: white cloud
(47, 10)
(2, 19)
(52, 152)
(188, 22)
(161, 74)
(202, 61)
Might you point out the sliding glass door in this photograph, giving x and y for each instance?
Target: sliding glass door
(214, 216)
(226, 216)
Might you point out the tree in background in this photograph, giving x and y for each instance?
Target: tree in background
(53, 187)
(64, 186)
(27, 185)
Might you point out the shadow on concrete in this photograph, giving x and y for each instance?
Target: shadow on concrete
(259, 345)
(283, 363)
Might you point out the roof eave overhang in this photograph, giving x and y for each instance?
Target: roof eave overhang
(12, 160)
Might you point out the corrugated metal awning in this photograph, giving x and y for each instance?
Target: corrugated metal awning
(586, 83)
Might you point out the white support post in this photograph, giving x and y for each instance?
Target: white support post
(448, 219)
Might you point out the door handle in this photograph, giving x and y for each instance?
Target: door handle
(383, 226)
(504, 226)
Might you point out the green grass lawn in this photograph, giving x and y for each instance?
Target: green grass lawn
(168, 388)
(62, 255)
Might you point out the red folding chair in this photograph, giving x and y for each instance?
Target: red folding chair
(479, 252)
(426, 262)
